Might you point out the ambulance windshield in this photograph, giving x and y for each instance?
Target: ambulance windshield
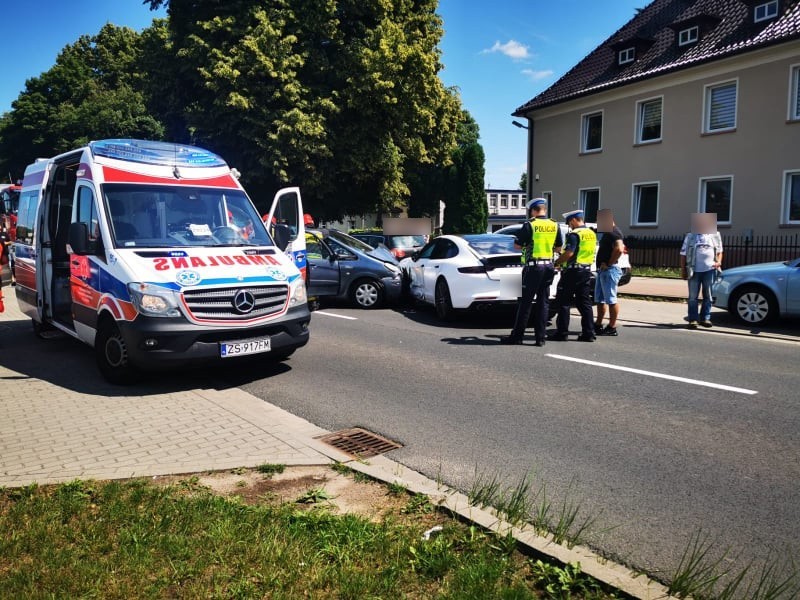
(153, 216)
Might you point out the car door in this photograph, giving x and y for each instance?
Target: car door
(287, 226)
(323, 267)
(443, 250)
(793, 288)
(418, 264)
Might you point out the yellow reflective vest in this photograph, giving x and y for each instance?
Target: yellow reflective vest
(544, 233)
(587, 243)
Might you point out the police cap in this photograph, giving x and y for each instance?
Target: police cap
(573, 214)
(536, 203)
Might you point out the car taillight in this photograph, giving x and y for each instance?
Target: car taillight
(480, 269)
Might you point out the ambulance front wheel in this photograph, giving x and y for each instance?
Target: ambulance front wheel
(111, 353)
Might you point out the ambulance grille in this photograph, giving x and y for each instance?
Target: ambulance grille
(234, 303)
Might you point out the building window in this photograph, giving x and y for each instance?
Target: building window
(592, 132)
(720, 107)
(766, 11)
(715, 197)
(493, 200)
(648, 128)
(645, 204)
(514, 201)
(791, 198)
(794, 91)
(503, 200)
(688, 36)
(627, 56)
(590, 202)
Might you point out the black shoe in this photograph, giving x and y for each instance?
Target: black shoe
(558, 337)
(607, 330)
(510, 341)
(539, 343)
(586, 338)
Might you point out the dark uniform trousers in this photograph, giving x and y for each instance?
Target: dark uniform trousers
(536, 280)
(577, 284)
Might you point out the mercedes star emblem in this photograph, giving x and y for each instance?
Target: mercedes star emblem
(244, 302)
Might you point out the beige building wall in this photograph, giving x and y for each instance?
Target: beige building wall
(764, 145)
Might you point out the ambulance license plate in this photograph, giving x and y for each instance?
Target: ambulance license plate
(228, 349)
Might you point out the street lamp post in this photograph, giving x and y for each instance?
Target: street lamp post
(530, 178)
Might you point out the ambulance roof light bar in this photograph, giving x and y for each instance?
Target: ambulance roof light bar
(156, 153)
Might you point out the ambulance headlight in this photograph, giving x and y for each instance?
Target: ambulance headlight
(298, 293)
(153, 301)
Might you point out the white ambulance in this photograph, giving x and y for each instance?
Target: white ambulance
(153, 254)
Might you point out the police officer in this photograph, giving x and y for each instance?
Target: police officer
(577, 281)
(537, 239)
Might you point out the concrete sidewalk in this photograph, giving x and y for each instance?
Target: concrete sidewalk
(656, 287)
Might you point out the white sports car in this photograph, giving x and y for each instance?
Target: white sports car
(454, 272)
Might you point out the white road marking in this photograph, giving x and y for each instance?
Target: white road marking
(327, 314)
(718, 386)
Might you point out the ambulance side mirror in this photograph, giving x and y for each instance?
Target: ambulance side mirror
(79, 239)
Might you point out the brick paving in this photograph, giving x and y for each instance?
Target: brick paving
(60, 421)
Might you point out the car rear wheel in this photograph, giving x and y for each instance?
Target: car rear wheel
(111, 353)
(754, 305)
(366, 293)
(442, 301)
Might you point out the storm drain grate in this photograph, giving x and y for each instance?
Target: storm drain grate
(359, 443)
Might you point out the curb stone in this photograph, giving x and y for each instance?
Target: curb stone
(613, 574)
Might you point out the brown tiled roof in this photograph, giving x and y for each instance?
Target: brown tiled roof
(735, 32)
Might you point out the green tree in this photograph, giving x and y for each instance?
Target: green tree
(523, 181)
(341, 97)
(430, 183)
(93, 91)
(465, 204)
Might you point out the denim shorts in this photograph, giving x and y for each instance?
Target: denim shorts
(605, 288)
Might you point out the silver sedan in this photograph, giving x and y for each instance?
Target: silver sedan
(757, 294)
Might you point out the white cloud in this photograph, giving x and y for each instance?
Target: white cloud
(537, 75)
(512, 49)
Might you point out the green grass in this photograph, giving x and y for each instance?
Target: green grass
(706, 574)
(270, 469)
(136, 539)
(668, 272)
(527, 503)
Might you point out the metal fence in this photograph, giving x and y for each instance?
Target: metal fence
(664, 251)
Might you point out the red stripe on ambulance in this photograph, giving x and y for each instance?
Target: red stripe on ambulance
(118, 175)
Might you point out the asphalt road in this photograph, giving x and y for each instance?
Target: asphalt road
(654, 460)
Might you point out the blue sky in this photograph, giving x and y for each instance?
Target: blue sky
(498, 53)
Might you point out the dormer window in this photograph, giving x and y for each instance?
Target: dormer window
(631, 49)
(765, 11)
(688, 36)
(628, 55)
(689, 31)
